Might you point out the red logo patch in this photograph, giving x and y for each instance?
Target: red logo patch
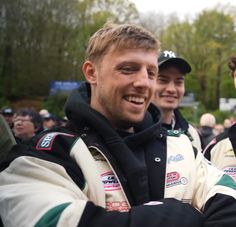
(110, 181)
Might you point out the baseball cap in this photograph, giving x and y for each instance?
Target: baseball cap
(168, 57)
(49, 116)
(7, 111)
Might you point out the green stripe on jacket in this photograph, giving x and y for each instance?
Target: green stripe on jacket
(50, 219)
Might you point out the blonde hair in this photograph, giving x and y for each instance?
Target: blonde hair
(125, 36)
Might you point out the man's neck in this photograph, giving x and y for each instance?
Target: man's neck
(167, 116)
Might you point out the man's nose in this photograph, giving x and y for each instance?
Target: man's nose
(142, 78)
(170, 86)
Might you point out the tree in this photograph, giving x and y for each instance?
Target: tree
(45, 40)
(207, 43)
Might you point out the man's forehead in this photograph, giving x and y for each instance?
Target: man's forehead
(170, 69)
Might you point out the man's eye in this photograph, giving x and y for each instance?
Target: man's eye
(162, 80)
(152, 74)
(179, 82)
(127, 70)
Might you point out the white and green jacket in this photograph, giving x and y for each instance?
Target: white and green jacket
(79, 177)
(221, 151)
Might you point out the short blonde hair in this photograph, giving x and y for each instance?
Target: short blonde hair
(124, 36)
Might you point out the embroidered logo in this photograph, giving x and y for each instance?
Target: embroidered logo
(169, 54)
(175, 158)
(230, 170)
(110, 181)
(121, 206)
(174, 178)
(45, 143)
(229, 153)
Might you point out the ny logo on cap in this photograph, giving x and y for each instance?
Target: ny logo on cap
(169, 54)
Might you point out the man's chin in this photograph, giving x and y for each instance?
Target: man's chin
(131, 122)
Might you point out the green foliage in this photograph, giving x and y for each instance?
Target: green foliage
(55, 104)
(41, 41)
(207, 43)
(192, 114)
(222, 115)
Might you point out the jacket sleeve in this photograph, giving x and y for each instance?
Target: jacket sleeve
(215, 194)
(220, 211)
(35, 192)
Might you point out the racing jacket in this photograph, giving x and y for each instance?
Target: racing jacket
(221, 151)
(179, 123)
(188, 129)
(92, 175)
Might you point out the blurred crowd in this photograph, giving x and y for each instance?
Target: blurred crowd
(25, 123)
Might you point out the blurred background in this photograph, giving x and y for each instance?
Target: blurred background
(42, 44)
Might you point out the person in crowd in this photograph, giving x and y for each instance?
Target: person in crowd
(207, 123)
(43, 112)
(49, 121)
(113, 164)
(27, 124)
(227, 124)
(8, 114)
(218, 129)
(169, 93)
(221, 151)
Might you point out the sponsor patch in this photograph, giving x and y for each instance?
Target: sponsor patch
(230, 170)
(110, 181)
(121, 206)
(45, 143)
(175, 158)
(229, 153)
(174, 178)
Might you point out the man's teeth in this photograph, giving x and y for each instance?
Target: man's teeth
(135, 99)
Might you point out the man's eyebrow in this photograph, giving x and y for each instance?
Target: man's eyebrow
(153, 67)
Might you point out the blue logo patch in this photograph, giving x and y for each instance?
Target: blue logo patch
(175, 158)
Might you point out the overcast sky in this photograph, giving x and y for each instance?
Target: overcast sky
(181, 7)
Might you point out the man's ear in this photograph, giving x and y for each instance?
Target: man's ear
(89, 71)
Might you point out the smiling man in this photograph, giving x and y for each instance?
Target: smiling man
(169, 93)
(111, 165)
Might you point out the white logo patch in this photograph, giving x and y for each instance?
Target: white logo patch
(45, 143)
(169, 54)
(110, 181)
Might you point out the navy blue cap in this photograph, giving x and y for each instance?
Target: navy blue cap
(168, 57)
(7, 111)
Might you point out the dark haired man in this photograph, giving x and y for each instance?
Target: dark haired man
(27, 124)
(169, 93)
(221, 151)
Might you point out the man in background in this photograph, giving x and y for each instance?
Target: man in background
(8, 114)
(221, 151)
(27, 124)
(206, 129)
(169, 93)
